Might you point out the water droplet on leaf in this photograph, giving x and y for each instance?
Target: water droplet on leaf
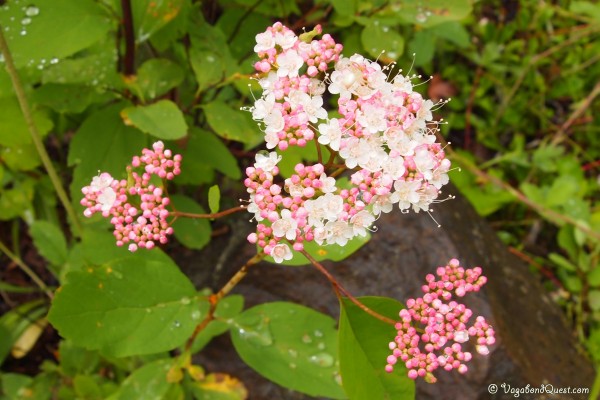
(421, 17)
(321, 346)
(322, 359)
(257, 334)
(32, 11)
(185, 300)
(306, 338)
(293, 353)
(25, 21)
(196, 314)
(318, 333)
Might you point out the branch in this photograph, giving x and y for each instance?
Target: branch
(338, 288)
(129, 59)
(35, 135)
(207, 216)
(25, 268)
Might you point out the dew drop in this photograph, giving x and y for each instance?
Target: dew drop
(306, 338)
(54, 61)
(25, 21)
(23, 32)
(32, 11)
(148, 310)
(292, 365)
(385, 28)
(321, 346)
(185, 300)
(176, 324)
(1, 58)
(322, 359)
(196, 314)
(337, 378)
(318, 333)
(421, 17)
(293, 353)
(257, 334)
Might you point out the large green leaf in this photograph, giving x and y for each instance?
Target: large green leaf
(155, 77)
(150, 16)
(102, 143)
(229, 123)
(363, 347)
(127, 307)
(227, 308)
(191, 232)
(291, 345)
(433, 12)
(162, 119)
(42, 32)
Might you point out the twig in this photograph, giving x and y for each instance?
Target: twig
(561, 134)
(25, 268)
(35, 135)
(338, 288)
(215, 298)
(207, 216)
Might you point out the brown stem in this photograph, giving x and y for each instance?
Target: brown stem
(545, 271)
(320, 156)
(561, 134)
(337, 172)
(207, 216)
(215, 298)
(129, 59)
(338, 288)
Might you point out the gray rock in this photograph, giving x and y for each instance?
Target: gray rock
(534, 344)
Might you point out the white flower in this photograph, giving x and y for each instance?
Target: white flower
(288, 64)
(424, 112)
(360, 221)
(321, 235)
(264, 42)
(403, 84)
(267, 83)
(281, 252)
(313, 107)
(266, 161)
(406, 193)
(426, 196)
(482, 349)
(263, 107)
(354, 151)
(274, 121)
(106, 199)
(286, 39)
(271, 139)
(330, 134)
(372, 118)
(382, 203)
(101, 182)
(394, 167)
(332, 205)
(425, 162)
(315, 211)
(328, 184)
(316, 87)
(339, 232)
(285, 226)
(461, 336)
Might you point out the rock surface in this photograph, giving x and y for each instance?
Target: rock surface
(534, 344)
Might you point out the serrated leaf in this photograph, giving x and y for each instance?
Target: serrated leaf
(291, 345)
(82, 23)
(191, 232)
(229, 123)
(130, 306)
(363, 351)
(377, 38)
(102, 143)
(162, 119)
(50, 241)
(214, 199)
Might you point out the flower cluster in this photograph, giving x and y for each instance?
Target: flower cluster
(140, 225)
(444, 321)
(384, 133)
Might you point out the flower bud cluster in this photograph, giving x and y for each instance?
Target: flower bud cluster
(141, 222)
(439, 344)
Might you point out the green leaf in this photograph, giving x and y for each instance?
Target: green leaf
(434, 12)
(229, 123)
(345, 7)
(13, 129)
(331, 252)
(16, 201)
(77, 360)
(594, 276)
(150, 16)
(22, 157)
(363, 343)
(86, 387)
(377, 37)
(155, 77)
(586, 8)
(75, 25)
(102, 143)
(69, 98)
(594, 299)
(147, 382)
(191, 232)
(214, 199)
(14, 384)
(162, 119)
(50, 241)
(454, 32)
(562, 262)
(422, 45)
(206, 151)
(16, 321)
(291, 345)
(545, 157)
(130, 306)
